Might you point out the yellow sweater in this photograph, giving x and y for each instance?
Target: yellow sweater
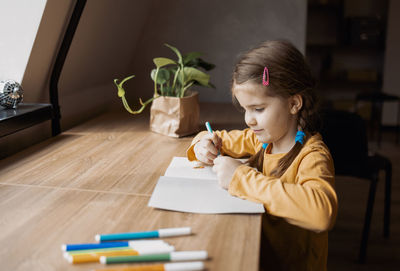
(300, 206)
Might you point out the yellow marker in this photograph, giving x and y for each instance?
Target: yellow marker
(95, 256)
(87, 251)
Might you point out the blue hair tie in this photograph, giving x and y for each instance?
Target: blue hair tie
(300, 137)
(264, 145)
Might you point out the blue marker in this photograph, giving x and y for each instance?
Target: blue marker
(70, 247)
(145, 234)
(132, 244)
(208, 126)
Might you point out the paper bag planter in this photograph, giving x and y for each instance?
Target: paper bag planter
(175, 117)
(175, 108)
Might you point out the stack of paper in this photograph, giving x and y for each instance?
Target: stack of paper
(186, 187)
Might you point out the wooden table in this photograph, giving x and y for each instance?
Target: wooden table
(98, 178)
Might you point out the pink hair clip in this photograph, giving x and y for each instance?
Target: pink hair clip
(266, 74)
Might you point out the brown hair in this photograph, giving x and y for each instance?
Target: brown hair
(289, 74)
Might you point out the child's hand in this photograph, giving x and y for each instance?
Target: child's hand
(206, 150)
(225, 166)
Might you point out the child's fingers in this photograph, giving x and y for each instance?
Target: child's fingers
(205, 150)
(205, 159)
(208, 136)
(216, 140)
(219, 143)
(207, 144)
(209, 155)
(217, 164)
(215, 168)
(211, 148)
(203, 154)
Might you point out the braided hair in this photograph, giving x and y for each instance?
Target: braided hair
(289, 75)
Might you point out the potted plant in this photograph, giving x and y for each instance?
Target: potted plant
(175, 107)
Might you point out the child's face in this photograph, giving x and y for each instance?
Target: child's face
(269, 117)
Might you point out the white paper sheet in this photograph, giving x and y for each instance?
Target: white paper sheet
(182, 167)
(195, 190)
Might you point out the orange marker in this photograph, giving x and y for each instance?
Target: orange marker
(189, 266)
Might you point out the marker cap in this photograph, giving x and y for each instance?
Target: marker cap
(155, 250)
(146, 243)
(103, 259)
(189, 255)
(188, 266)
(174, 232)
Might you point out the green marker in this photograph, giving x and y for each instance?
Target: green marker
(171, 256)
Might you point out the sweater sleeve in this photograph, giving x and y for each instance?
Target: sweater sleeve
(310, 202)
(235, 143)
(190, 151)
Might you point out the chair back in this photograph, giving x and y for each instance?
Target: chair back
(345, 134)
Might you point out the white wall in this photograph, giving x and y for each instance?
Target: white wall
(19, 21)
(101, 50)
(116, 38)
(220, 29)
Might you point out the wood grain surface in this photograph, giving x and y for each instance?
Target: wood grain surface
(98, 178)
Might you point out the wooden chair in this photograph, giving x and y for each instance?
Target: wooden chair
(345, 134)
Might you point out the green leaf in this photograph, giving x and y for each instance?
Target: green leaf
(172, 69)
(140, 110)
(163, 75)
(196, 75)
(121, 94)
(168, 91)
(126, 79)
(121, 91)
(205, 65)
(188, 58)
(176, 52)
(153, 74)
(210, 85)
(185, 88)
(163, 61)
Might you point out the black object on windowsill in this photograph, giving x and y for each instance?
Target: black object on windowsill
(28, 114)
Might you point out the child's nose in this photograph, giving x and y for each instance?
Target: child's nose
(250, 120)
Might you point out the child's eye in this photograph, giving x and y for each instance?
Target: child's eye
(260, 109)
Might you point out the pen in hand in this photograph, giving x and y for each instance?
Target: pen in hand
(209, 129)
(208, 126)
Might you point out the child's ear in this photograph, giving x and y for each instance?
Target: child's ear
(295, 103)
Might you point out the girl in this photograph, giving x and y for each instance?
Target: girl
(290, 169)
